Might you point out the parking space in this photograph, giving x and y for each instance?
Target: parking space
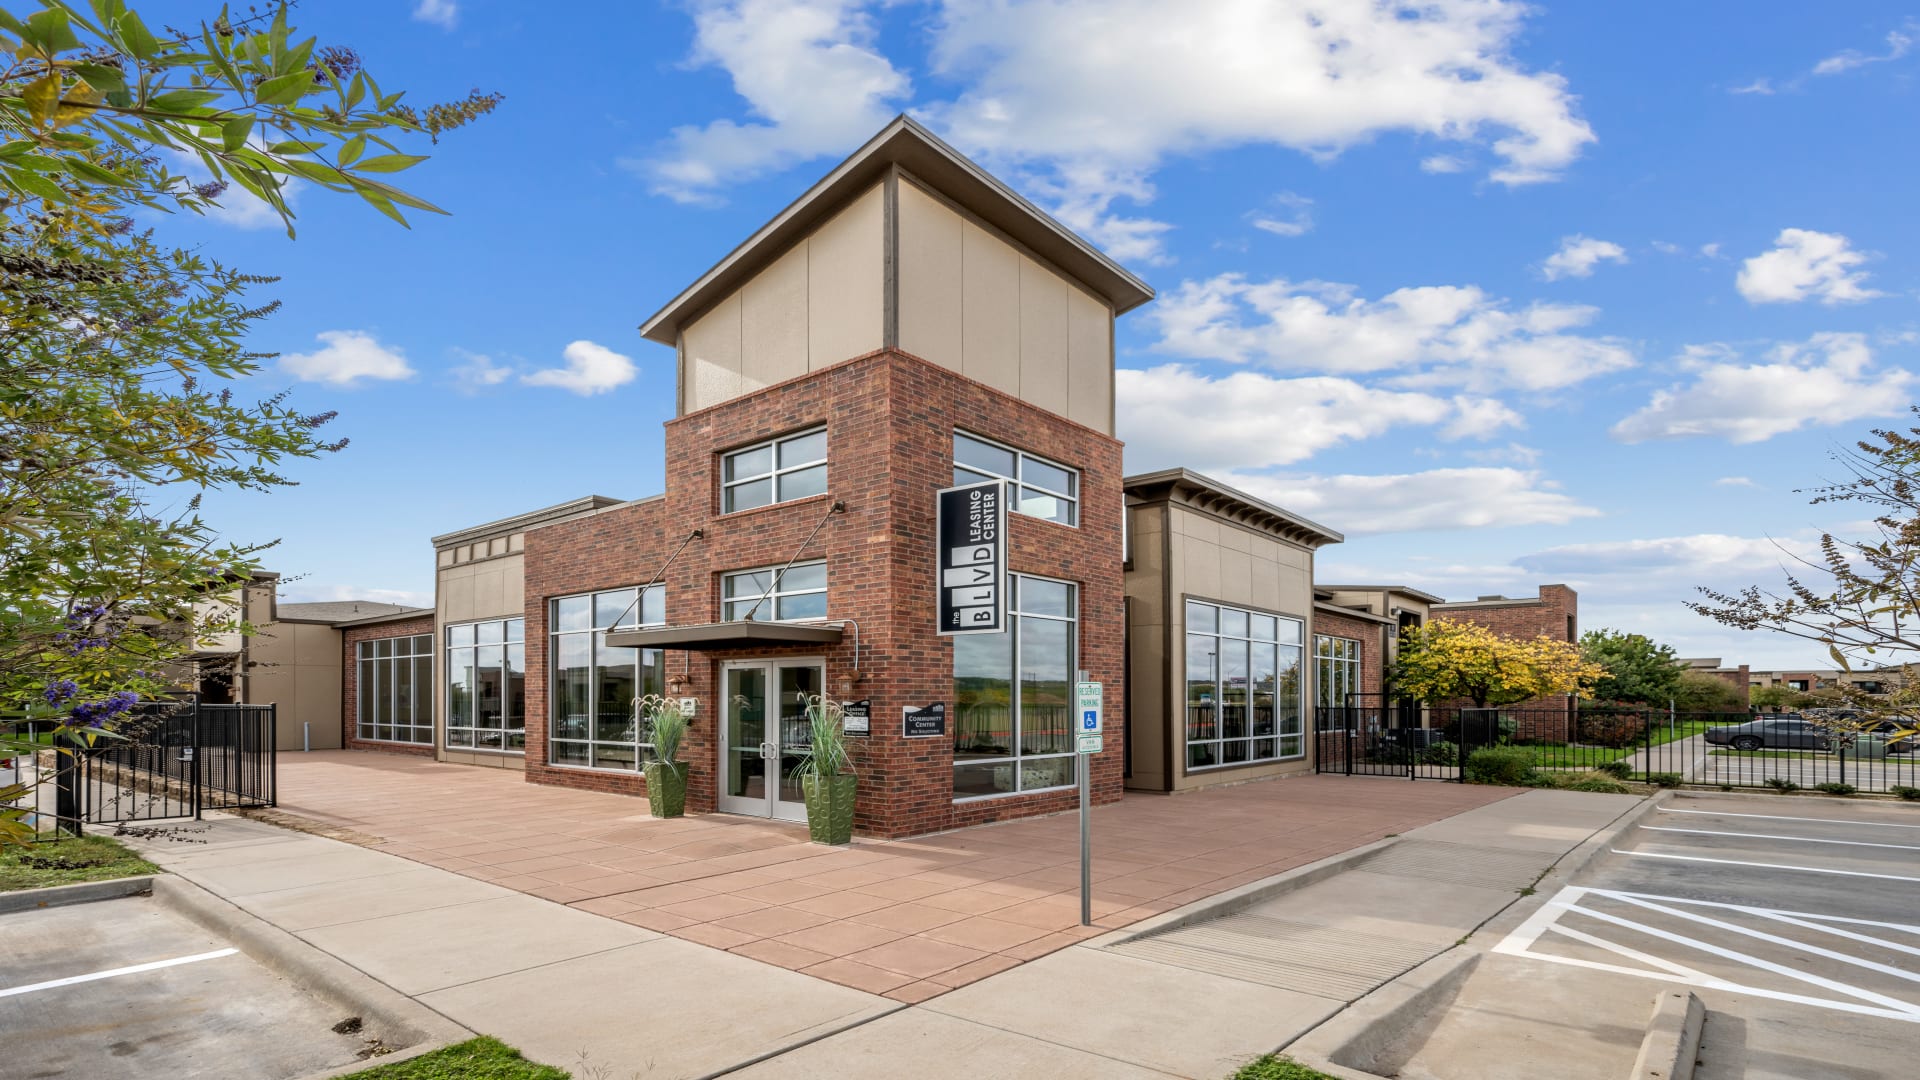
(124, 989)
(1795, 920)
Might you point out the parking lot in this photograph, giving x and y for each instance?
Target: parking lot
(1796, 920)
(124, 989)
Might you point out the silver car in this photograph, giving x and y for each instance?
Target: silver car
(1787, 731)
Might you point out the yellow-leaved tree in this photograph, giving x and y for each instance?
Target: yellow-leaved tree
(1446, 660)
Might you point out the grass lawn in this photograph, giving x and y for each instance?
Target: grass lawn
(68, 861)
(484, 1058)
(1275, 1067)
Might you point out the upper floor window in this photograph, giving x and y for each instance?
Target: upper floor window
(1036, 487)
(801, 594)
(776, 471)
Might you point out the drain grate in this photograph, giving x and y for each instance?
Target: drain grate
(1459, 864)
(1305, 957)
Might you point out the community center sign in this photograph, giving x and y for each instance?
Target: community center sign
(972, 532)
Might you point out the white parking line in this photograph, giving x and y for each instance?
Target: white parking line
(1773, 836)
(1762, 865)
(1522, 941)
(134, 970)
(1783, 817)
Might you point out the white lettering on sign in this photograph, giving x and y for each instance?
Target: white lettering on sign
(967, 575)
(970, 539)
(979, 553)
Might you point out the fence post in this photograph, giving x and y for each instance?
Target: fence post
(1843, 761)
(194, 766)
(67, 810)
(1460, 750)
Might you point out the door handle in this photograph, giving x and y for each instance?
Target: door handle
(766, 751)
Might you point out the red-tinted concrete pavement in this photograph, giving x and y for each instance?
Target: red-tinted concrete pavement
(908, 918)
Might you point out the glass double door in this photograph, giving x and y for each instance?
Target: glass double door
(764, 734)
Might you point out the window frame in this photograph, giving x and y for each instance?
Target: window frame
(1017, 758)
(1018, 483)
(1252, 739)
(506, 730)
(779, 593)
(1351, 665)
(775, 470)
(373, 678)
(594, 636)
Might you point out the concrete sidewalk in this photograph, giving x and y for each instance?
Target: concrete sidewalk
(568, 988)
(604, 997)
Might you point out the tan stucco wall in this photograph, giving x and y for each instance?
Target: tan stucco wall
(296, 666)
(973, 302)
(821, 302)
(492, 588)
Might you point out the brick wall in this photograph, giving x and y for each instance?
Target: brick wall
(350, 639)
(890, 419)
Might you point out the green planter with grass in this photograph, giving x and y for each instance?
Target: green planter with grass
(825, 772)
(665, 726)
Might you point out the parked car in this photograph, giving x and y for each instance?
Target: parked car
(1904, 745)
(1785, 731)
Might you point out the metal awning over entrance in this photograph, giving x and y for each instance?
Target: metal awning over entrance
(711, 637)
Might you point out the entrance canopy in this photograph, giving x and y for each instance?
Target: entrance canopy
(712, 637)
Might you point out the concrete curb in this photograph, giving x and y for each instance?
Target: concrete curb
(1568, 866)
(1672, 1044)
(1360, 1041)
(1243, 897)
(86, 892)
(386, 1014)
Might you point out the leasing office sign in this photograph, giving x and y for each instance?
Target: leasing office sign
(971, 528)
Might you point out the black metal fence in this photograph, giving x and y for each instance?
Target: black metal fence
(166, 760)
(1783, 752)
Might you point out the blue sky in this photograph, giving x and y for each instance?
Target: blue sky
(1560, 293)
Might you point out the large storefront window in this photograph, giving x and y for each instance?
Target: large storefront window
(393, 687)
(593, 687)
(1243, 686)
(1336, 670)
(1013, 695)
(487, 685)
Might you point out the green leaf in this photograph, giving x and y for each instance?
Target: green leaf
(32, 183)
(86, 170)
(48, 32)
(233, 133)
(42, 97)
(390, 163)
(350, 152)
(105, 79)
(180, 101)
(139, 41)
(284, 89)
(384, 205)
(296, 146)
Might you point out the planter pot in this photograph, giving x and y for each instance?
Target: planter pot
(667, 788)
(829, 807)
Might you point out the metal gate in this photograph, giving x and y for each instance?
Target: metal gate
(1372, 735)
(175, 759)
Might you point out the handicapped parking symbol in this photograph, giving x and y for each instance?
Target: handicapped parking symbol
(1089, 720)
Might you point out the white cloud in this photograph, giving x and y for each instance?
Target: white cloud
(1805, 265)
(1578, 255)
(1444, 163)
(1469, 498)
(442, 13)
(1156, 411)
(476, 372)
(1829, 379)
(1087, 97)
(1697, 556)
(304, 593)
(812, 77)
(1480, 418)
(1441, 335)
(1296, 219)
(1899, 43)
(1761, 86)
(1736, 481)
(1511, 454)
(591, 369)
(346, 357)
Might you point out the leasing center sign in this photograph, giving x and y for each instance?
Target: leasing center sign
(972, 532)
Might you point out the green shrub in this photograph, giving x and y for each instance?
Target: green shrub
(1612, 729)
(1911, 794)
(1440, 753)
(1508, 765)
(1598, 782)
(1782, 785)
(1834, 787)
(1275, 1067)
(1619, 770)
(1665, 779)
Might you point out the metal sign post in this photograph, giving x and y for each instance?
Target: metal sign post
(1086, 743)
